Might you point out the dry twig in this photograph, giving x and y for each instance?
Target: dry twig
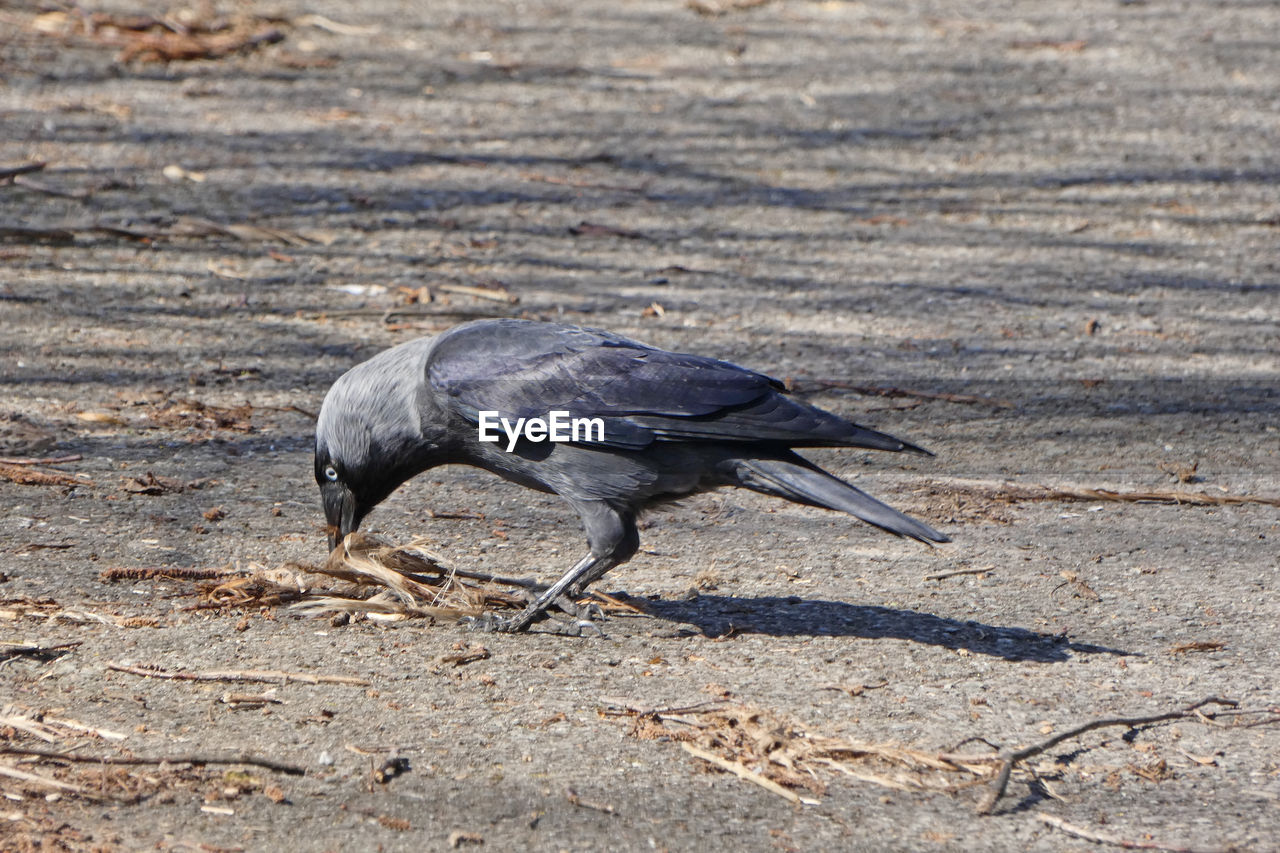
(1109, 838)
(197, 759)
(24, 475)
(46, 460)
(944, 575)
(754, 743)
(1198, 646)
(413, 583)
(1009, 760)
(35, 778)
(740, 770)
(192, 226)
(8, 173)
(263, 676)
(493, 294)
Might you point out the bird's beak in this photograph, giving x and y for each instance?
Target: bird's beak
(340, 512)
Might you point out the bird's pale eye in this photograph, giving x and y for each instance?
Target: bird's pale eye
(331, 474)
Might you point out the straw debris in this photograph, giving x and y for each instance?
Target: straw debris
(409, 582)
(779, 755)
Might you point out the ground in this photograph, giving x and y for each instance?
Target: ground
(1037, 238)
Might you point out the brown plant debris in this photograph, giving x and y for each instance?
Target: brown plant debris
(25, 475)
(261, 589)
(464, 654)
(737, 768)
(408, 582)
(173, 38)
(193, 414)
(1079, 588)
(779, 754)
(49, 611)
(1011, 758)
(1099, 837)
(365, 578)
(122, 573)
(152, 484)
(23, 607)
(1198, 646)
(1180, 471)
(45, 460)
(56, 763)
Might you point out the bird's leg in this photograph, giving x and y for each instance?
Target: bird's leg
(551, 595)
(541, 600)
(567, 603)
(613, 537)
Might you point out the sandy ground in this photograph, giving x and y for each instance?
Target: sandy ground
(1052, 226)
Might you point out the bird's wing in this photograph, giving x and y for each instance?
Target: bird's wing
(642, 394)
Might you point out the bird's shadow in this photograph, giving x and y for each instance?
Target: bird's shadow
(717, 616)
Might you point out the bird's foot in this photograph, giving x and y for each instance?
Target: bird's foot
(588, 612)
(491, 623)
(568, 605)
(582, 619)
(487, 622)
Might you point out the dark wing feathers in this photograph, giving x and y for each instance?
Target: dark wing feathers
(642, 394)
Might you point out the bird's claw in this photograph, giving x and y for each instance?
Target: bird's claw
(589, 612)
(584, 620)
(487, 622)
(583, 627)
(491, 623)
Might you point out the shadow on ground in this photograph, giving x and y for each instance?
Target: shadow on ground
(717, 616)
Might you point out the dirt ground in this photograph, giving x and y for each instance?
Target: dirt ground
(1038, 238)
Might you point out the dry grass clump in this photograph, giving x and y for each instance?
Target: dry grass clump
(365, 578)
(406, 581)
(778, 754)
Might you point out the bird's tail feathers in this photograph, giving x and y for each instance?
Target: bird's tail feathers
(804, 483)
(872, 439)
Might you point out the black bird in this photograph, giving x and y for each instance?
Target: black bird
(673, 424)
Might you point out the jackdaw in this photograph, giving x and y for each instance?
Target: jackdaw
(656, 426)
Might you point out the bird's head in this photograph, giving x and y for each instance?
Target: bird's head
(371, 436)
(354, 471)
(343, 510)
